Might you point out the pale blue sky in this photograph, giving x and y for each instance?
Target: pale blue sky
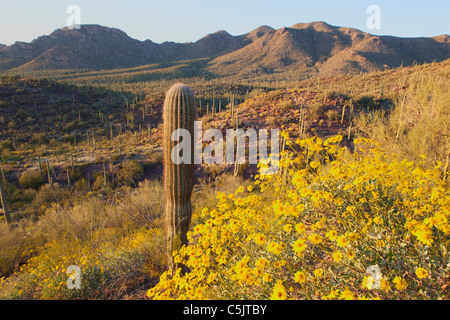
(190, 20)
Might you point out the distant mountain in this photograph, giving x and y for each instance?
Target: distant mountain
(327, 49)
(91, 47)
(98, 47)
(315, 47)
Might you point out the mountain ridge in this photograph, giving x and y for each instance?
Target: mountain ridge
(314, 47)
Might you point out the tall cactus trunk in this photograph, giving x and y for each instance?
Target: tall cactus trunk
(68, 178)
(180, 112)
(49, 175)
(40, 165)
(4, 203)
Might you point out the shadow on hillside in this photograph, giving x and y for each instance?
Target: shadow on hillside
(370, 104)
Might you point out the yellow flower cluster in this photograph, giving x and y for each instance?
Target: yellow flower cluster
(312, 231)
(45, 276)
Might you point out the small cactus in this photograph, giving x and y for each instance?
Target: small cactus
(180, 111)
(68, 178)
(105, 177)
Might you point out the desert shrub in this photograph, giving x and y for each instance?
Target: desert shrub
(99, 132)
(5, 155)
(116, 157)
(31, 179)
(206, 197)
(14, 194)
(333, 115)
(271, 121)
(13, 246)
(317, 110)
(286, 105)
(91, 217)
(28, 195)
(369, 103)
(145, 205)
(47, 195)
(129, 172)
(6, 144)
(99, 159)
(12, 125)
(256, 92)
(6, 148)
(275, 94)
(284, 119)
(82, 185)
(154, 158)
(39, 138)
(416, 128)
(99, 181)
(117, 246)
(213, 170)
(105, 271)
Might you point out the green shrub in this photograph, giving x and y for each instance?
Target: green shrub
(286, 105)
(99, 181)
(213, 170)
(31, 179)
(12, 246)
(39, 138)
(271, 121)
(47, 195)
(317, 110)
(6, 144)
(129, 172)
(82, 185)
(333, 115)
(28, 195)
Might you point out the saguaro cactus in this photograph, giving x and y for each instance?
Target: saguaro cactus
(4, 203)
(49, 175)
(179, 112)
(68, 178)
(40, 165)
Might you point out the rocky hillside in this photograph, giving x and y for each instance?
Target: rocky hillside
(91, 47)
(320, 48)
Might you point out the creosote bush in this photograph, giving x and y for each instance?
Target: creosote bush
(129, 172)
(31, 179)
